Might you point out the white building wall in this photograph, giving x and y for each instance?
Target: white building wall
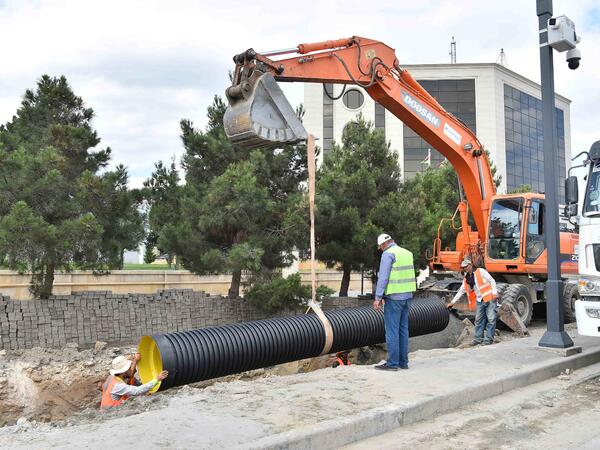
(313, 119)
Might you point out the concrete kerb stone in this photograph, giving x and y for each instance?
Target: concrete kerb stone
(345, 430)
(570, 351)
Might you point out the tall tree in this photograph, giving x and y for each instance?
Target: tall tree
(358, 178)
(238, 207)
(163, 193)
(56, 211)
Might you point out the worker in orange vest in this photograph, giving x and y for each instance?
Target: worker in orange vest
(121, 384)
(480, 287)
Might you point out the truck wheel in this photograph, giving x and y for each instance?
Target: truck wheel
(570, 295)
(518, 295)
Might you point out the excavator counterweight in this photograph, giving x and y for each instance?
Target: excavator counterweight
(259, 114)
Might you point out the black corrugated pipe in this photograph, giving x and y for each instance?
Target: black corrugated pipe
(212, 352)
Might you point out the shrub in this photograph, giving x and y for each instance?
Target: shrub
(272, 293)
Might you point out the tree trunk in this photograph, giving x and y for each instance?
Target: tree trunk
(345, 282)
(236, 279)
(47, 282)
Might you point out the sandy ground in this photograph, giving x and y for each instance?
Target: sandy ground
(48, 385)
(61, 386)
(560, 413)
(45, 388)
(45, 391)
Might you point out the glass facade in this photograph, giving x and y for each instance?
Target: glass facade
(379, 116)
(524, 142)
(458, 98)
(327, 117)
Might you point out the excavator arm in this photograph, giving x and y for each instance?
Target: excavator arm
(260, 116)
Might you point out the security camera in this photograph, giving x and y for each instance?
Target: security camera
(573, 58)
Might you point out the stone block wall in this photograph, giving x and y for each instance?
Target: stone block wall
(87, 317)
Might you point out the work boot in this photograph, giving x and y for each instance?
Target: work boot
(474, 343)
(487, 342)
(384, 366)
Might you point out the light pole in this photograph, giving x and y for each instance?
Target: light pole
(555, 335)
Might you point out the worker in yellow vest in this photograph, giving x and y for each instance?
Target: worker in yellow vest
(395, 284)
(480, 287)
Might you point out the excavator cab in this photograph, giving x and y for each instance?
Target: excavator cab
(259, 115)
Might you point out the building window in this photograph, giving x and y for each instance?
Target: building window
(524, 141)
(353, 99)
(457, 97)
(327, 117)
(379, 117)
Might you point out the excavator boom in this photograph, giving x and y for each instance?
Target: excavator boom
(260, 116)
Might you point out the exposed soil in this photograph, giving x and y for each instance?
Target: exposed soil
(61, 386)
(49, 385)
(54, 385)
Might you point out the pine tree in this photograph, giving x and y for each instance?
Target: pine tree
(239, 208)
(56, 211)
(358, 182)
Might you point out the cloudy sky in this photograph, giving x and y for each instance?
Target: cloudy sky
(144, 65)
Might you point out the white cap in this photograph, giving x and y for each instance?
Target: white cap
(383, 238)
(465, 262)
(119, 365)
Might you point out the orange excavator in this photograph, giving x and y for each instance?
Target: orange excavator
(508, 238)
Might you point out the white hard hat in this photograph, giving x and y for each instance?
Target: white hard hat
(119, 365)
(383, 238)
(465, 262)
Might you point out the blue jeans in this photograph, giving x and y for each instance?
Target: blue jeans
(485, 319)
(395, 313)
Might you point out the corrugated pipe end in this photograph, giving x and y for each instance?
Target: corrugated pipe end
(151, 363)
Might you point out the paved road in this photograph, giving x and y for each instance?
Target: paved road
(560, 413)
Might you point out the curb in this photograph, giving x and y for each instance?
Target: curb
(345, 430)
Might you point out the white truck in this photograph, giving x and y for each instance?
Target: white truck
(587, 308)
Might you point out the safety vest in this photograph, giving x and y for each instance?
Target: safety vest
(107, 387)
(484, 286)
(402, 276)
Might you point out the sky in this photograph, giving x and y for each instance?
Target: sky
(145, 65)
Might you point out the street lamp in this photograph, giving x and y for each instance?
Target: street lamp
(556, 33)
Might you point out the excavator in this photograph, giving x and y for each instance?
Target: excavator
(507, 235)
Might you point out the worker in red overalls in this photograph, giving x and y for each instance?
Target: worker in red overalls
(480, 287)
(121, 383)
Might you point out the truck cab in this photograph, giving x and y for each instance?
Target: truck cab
(587, 214)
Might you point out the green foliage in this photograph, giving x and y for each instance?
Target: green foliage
(497, 178)
(521, 189)
(357, 185)
(239, 209)
(149, 247)
(57, 211)
(423, 201)
(271, 293)
(164, 195)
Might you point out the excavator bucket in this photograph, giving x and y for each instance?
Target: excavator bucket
(259, 115)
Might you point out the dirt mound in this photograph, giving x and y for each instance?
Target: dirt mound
(49, 385)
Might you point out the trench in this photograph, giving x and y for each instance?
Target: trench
(60, 386)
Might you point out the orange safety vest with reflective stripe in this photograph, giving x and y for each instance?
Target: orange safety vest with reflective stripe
(107, 387)
(484, 286)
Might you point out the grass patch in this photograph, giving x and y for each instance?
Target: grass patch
(147, 267)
